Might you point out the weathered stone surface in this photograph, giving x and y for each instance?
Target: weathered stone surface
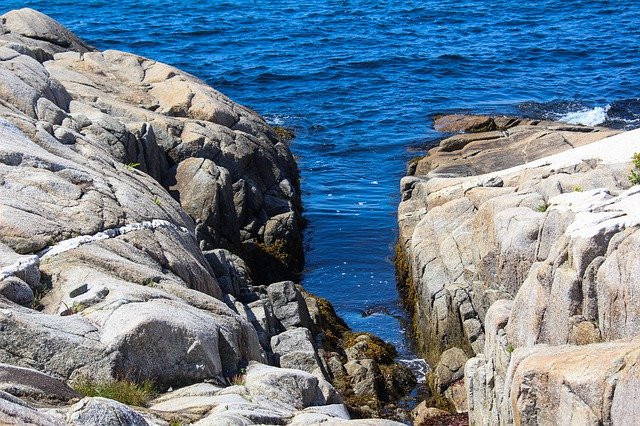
(464, 123)
(294, 349)
(515, 142)
(103, 412)
(16, 290)
(289, 306)
(365, 378)
(450, 368)
(13, 411)
(114, 262)
(291, 388)
(556, 235)
(41, 31)
(25, 382)
(423, 414)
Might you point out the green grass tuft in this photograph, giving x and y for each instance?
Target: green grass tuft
(125, 391)
(542, 207)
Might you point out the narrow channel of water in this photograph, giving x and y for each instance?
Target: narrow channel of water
(358, 81)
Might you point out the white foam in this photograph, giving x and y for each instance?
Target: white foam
(587, 117)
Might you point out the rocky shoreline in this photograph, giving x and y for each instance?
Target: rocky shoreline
(151, 234)
(518, 257)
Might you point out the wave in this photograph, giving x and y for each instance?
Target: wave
(418, 366)
(622, 114)
(587, 117)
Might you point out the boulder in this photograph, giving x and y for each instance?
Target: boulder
(289, 306)
(13, 411)
(17, 291)
(294, 349)
(103, 412)
(26, 382)
(291, 388)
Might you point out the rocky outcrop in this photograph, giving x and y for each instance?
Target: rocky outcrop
(528, 270)
(149, 229)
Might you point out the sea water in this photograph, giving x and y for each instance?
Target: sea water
(359, 80)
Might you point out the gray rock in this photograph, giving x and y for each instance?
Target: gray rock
(294, 349)
(288, 305)
(450, 369)
(103, 412)
(13, 411)
(25, 382)
(16, 290)
(365, 377)
(291, 388)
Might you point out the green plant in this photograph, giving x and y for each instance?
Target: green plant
(577, 188)
(634, 177)
(73, 309)
(510, 348)
(131, 166)
(156, 200)
(542, 207)
(125, 391)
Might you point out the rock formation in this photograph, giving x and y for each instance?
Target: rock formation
(149, 229)
(520, 247)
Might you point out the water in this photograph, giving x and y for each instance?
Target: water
(358, 81)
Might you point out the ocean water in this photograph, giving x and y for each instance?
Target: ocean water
(358, 81)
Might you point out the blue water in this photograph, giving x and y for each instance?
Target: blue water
(358, 81)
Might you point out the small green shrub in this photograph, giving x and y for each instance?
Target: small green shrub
(510, 348)
(577, 188)
(634, 177)
(124, 391)
(542, 207)
(156, 200)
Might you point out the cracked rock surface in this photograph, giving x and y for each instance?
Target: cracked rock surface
(521, 242)
(141, 214)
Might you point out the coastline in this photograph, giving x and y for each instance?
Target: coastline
(151, 227)
(506, 267)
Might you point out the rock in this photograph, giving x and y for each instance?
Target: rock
(328, 413)
(102, 411)
(25, 382)
(294, 349)
(450, 369)
(464, 123)
(367, 346)
(231, 273)
(205, 192)
(40, 28)
(488, 148)
(423, 415)
(13, 411)
(289, 307)
(17, 291)
(555, 235)
(291, 388)
(365, 378)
